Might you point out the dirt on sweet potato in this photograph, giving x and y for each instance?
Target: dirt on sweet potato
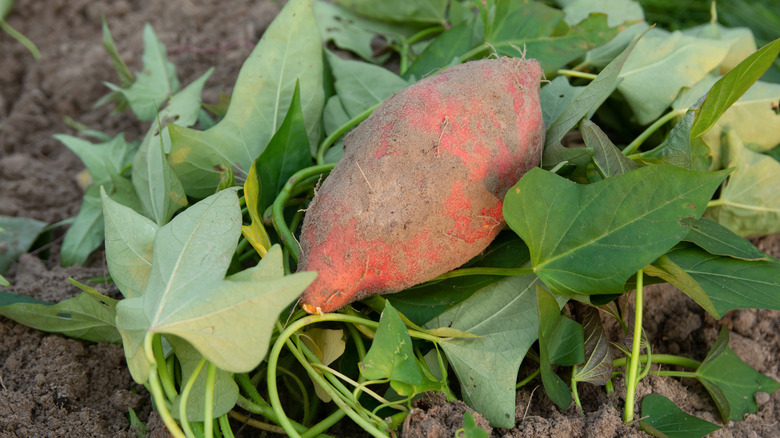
(420, 188)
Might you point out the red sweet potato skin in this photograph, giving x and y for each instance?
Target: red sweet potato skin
(420, 188)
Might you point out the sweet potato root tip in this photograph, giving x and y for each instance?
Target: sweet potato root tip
(420, 188)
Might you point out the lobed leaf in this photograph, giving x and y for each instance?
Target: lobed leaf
(391, 357)
(155, 83)
(87, 316)
(661, 65)
(290, 51)
(731, 382)
(589, 239)
(402, 11)
(609, 160)
(503, 315)
(159, 189)
(588, 100)
(720, 283)
(749, 201)
(662, 418)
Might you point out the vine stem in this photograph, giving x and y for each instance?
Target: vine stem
(634, 145)
(484, 271)
(185, 395)
(668, 359)
(278, 207)
(156, 389)
(329, 140)
(633, 367)
(576, 74)
(208, 400)
(284, 338)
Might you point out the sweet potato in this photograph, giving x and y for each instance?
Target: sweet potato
(421, 185)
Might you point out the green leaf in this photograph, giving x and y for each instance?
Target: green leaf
(155, 83)
(538, 31)
(719, 240)
(129, 242)
(443, 51)
(416, 11)
(733, 85)
(609, 160)
(350, 31)
(504, 315)
(549, 320)
(159, 189)
(470, 428)
(588, 100)
(360, 85)
(661, 65)
(290, 51)
(391, 357)
(597, 368)
(87, 316)
(740, 40)
(555, 97)
(287, 152)
(424, 302)
(751, 118)
(589, 239)
(732, 383)
(676, 148)
(104, 160)
(105, 163)
(17, 234)
(662, 418)
(125, 75)
(225, 388)
(721, 283)
(749, 201)
(228, 321)
(604, 54)
(617, 11)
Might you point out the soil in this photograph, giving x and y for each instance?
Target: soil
(52, 386)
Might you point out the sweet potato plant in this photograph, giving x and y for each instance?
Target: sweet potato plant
(201, 219)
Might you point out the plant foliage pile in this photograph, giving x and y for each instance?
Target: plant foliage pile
(199, 219)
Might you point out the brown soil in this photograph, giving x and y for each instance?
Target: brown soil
(51, 386)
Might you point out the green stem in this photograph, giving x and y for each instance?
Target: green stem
(278, 207)
(474, 52)
(575, 394)
(668, 359)
(715, 203)
(407, 44)
(155, 387)
(633, 367)
(224, 426)
(335, 135)
(185, 395)
(484, 271)
(208, 400)
(302, 389)
(324, 425)
(576, 74)
(165, 377)
(523, 382)
(284, 339)
(634, 145)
